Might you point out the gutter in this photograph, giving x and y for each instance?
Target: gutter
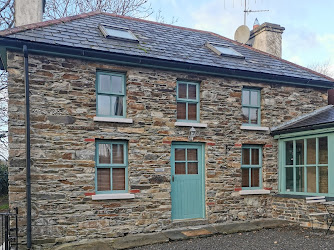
(300, 129)
(142, 61)
(27, 123)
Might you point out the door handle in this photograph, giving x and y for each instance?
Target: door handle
(172, 178)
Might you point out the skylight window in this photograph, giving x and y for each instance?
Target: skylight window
(223, 50)
(117, 33)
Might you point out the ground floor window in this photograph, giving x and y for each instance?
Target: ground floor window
(111, 166)
(305, 165)
(251, 166)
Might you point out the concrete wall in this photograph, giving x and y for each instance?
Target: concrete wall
(63, 103)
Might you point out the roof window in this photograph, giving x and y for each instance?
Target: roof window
(223, 50)
(117, 33)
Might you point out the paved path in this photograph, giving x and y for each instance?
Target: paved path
(266, 239)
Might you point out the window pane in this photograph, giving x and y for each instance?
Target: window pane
(117, 105)
(180, 168)
(103, 179)
(117, 84)
(323, 179)
(118, 154)
(323, 150)
(192, 154)
(182, 90)
(300, 152)
(245, 177)
(104, 153)
(289, 153)
(191, 91)
(119, 33)
(254, 98)
(103, 105)
(104, 84)
(181, 110)
(255, 174)
(193, 168)
(192, 111)
(245, 97)
(118, 179)
(180, 154)
(255, 156)
(245, 156)
(311, 180)
(311, 151)
(245, 115)
(253, 115)
(300, 179)
(289, 179)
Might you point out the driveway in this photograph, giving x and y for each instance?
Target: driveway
(266, 239)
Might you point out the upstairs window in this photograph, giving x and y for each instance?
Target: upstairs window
(117, 33)
(187, 101)
(251, 106)
(111, 166)
(251, 167)
(110, 100)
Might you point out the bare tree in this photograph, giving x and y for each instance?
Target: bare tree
(323, 68)
(135, 8)
(6, 14)
(3, 116)
(6, 21)
(161, 19)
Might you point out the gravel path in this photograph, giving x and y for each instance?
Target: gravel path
(281, 238)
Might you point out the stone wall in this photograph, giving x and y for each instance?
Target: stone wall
(62, 147)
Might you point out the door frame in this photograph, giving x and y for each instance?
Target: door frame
(202, 179)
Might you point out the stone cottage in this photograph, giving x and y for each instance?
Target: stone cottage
(138, 126)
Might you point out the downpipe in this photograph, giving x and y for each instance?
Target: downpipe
(27, 123)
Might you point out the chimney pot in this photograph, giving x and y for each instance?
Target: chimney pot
(256, 24)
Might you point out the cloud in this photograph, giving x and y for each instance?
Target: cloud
(212, 16)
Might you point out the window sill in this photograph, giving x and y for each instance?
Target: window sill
(191, 124)
(255, 128)
(112, 119)
(254, 191)
(120, 196)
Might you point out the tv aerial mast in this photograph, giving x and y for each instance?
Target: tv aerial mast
(247, 11)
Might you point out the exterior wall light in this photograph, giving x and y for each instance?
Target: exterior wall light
(192, 134)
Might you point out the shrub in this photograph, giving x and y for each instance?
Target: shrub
(3, 180)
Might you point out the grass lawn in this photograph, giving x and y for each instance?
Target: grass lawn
(4, 203)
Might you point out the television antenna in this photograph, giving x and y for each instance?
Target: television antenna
(247, 11)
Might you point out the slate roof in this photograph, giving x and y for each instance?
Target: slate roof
(323, 117)
(160, 41)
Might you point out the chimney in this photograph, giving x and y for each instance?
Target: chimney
(267, 37)
(28, 11)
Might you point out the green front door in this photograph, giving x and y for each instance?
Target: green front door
(187, 181)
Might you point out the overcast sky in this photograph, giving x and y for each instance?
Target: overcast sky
(309, 24)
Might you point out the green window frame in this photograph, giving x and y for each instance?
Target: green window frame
(110, 94)
(187, 98)
(251, 167)
(305, 165)
(251, 106)
(111, 171)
